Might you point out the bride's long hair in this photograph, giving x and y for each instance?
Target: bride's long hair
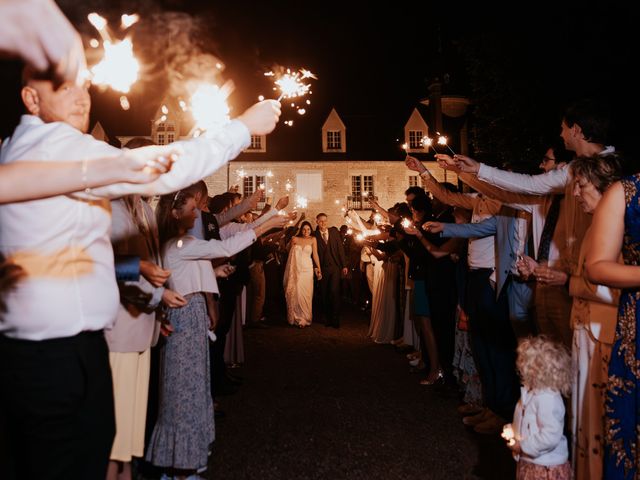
(299, 234)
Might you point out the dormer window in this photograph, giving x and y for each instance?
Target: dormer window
(415, 139)
(334, 140)
(258, 143)
(334, 134)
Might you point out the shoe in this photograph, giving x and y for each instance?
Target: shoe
(414, 362)
(492, 425)
(397, 341)
(478, 418)
(468, 409)
(413, 355)
(433, 379)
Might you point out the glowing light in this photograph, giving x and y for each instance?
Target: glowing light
(291, 84)
(164, 109)
(289, 123)
(209, 107)
(128, 20)
(241, 173)
(302, 111)
(183, 105)
(179, 244)
(301, 202)
(262, 186)
(359, 237)
(406, 223)
(337, 202)
(508, 434)
(94, 43)
(100, 23)
(269, 174)
(349, 231)
(118, 69)
(288, 186)
(261, 98)
(365, 194)
(405, 147)
(124, 102)
(442, 140)
(308, 102)
(377, 218)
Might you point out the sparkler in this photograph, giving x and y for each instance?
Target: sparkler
(442, 140)
(428, 142)
(406, 223)
(359, 237)
(301, 202)
(508, 434)
(349, 231)
(377, 218)
(291, 84)
(209, 107)
(119, 68)
(288, 186)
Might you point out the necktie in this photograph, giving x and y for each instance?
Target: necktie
(325, 236)
(549, 227)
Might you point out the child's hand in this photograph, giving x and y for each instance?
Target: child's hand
(515, 447)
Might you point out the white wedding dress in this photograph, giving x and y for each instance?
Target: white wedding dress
(298, 285)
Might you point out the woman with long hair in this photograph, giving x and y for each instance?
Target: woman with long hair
(298, 276)
(185, 426)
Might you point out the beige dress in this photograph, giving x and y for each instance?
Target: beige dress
(593, 318)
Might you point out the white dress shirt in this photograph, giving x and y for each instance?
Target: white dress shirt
(538, 423)
(189, 260)
(62, 242)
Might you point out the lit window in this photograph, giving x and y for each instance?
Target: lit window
(413, 181)
(256, 142)
(161, 139)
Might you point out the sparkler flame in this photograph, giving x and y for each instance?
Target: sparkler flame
(291, 84)
(288, 186)
(118, 68)
(209, 107)
(406, 223)
(301, 202)
(128, 20)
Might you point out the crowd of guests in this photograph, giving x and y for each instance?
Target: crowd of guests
(513, 287)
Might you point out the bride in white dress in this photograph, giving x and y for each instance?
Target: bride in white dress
(298, 276)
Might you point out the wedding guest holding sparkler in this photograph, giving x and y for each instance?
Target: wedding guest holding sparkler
(536, 435)
(62, 244)
(185, 426)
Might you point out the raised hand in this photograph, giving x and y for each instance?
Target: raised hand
(41, 35)
(447, 162)
(254, 199)
(154, 274)
(262, 117)
(467, 164)
(145, 164)
(414, 164)
(433, 227)
(282, 203)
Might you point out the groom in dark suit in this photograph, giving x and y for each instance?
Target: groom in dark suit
(333, 264)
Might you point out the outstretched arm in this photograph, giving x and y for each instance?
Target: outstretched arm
(484, 228)
(607, 233)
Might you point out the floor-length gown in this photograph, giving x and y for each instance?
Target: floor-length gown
(298, 285)
(621, 400)
(383, 304)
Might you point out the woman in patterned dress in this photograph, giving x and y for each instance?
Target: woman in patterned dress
(616, 227)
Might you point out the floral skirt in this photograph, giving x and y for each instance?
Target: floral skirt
(531, 471)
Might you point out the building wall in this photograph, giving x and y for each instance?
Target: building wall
(391, 179)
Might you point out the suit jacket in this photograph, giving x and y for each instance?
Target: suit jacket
(331, 254)
(504, 228)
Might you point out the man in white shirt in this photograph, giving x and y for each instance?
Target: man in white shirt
(54, 366)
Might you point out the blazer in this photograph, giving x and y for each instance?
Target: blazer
(504, 227)
(331, 254)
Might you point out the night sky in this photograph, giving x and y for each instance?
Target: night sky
(378, 61)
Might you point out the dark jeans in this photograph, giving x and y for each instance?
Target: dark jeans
(57, 398)
(493, 343)
(442, 303)
(330, 291)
